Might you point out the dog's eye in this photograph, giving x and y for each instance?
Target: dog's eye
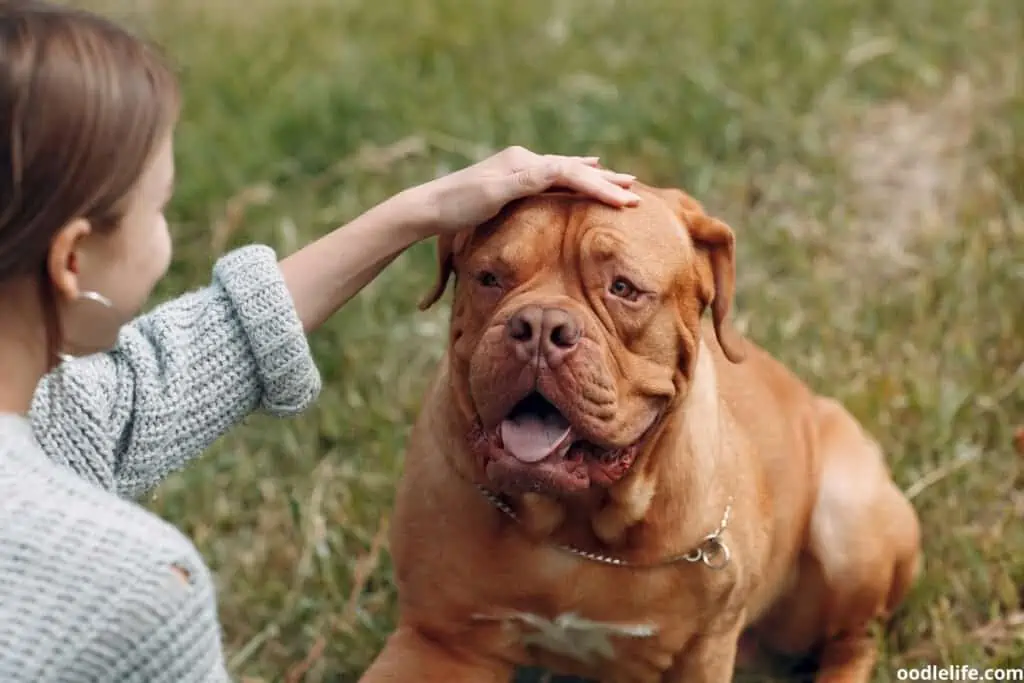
(487, 279)
(624, 289)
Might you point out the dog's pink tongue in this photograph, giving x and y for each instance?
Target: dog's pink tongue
(531, 438)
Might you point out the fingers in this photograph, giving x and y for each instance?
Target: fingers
(587, 161)
(519, 158)
(530, 173)
(624, 180)
(601, 184)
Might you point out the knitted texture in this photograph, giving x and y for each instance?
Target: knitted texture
(91, 584)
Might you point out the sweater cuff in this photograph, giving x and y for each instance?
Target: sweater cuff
(288, 375)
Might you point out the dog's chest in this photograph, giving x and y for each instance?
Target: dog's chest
(570, 635)
(607, 628)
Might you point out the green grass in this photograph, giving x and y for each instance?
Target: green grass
(868, 154)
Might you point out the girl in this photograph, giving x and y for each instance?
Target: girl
(92, 586)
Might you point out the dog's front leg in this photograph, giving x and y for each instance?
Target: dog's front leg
(412, 657)
(709, 659)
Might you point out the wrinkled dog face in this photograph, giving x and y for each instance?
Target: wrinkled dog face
(575, 326)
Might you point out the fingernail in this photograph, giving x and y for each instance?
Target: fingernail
(631, 198)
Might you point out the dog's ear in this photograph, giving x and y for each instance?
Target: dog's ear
(716, 242)
(448, 247)
(716, 247)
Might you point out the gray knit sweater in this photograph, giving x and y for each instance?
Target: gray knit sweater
(87, 586)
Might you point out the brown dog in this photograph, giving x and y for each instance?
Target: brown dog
(602, 485)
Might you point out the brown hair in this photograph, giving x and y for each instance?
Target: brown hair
(83, 106)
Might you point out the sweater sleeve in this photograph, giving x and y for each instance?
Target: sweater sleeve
(179, 377)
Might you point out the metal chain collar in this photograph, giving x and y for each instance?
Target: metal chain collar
(712, 550)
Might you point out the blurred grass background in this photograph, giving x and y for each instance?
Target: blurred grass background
(868, 153)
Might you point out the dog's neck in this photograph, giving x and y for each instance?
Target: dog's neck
(684, 470)
(672, 498)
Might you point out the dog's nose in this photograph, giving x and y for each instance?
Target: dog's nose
(552, 331)
(561, 329)
(525, 324)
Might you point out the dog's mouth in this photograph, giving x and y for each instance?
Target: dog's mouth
(535, 429)
(536, 448)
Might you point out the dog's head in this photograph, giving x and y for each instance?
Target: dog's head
(575, 327)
